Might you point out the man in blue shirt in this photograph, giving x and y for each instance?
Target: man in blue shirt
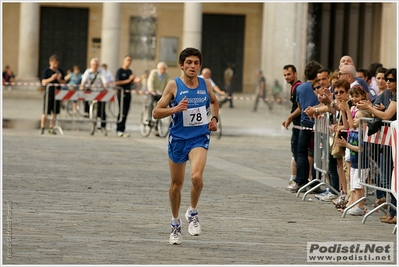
(305, 98)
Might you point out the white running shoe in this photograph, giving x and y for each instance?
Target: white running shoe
(194, 227)
(175, 234)
(356, 211)
(329, 197)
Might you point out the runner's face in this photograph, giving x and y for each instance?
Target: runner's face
(191, 66)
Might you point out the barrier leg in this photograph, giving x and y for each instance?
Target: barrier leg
(352, 205)
(379, 207)
(93, 117)
(306, 185)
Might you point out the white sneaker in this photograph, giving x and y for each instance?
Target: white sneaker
(194, 227)
(356, 211)
(329, 197)
(175, 234)
(322, 194)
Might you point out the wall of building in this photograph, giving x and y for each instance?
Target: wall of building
(10, 35)
(282, 25)
(169, 24)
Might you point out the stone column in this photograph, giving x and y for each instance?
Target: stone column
(28, 53)
(192, 25)
(388, 44)
(110, 36)
(284, 40)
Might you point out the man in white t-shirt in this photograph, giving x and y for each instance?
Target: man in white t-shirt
(94, 78)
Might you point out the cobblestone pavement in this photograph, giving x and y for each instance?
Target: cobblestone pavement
(81, 199)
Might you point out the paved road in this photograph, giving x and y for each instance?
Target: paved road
(81, 199)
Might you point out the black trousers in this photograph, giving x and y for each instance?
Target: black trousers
(127, 97)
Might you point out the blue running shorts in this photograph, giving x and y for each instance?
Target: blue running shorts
(178, 150)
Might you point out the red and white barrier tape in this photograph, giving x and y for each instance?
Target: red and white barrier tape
(382, 137)
(100, 96)
(133, 91)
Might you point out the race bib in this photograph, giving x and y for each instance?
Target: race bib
(195, 117)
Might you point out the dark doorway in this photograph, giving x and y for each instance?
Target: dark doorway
(338, 29)
(223, 42)
(63, 31)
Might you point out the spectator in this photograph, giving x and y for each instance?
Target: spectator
(207, 74)
(366, 76)
(347, 60)
(324, 79)
(142, 85)
(277, 92)
(157, 81)
(68, 75)
(291, 77)
(51, 75)
(108, 75)
(355, 177)
(75, 78)
(95, 79)
(74, 82)
(305, 98)
(373, 67)
(261, 91)
(228, 87)
(124, 79)
(8, 76)
(388, 114)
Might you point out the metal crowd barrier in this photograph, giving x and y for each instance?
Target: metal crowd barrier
(377, 153)
(91, 103)
(321, 157)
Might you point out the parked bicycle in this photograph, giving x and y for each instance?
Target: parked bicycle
(147, 121)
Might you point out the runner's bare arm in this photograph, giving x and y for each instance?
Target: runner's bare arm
(162, 110)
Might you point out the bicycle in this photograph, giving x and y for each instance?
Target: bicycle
(147, 121)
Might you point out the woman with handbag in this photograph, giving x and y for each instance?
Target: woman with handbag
(341, 88)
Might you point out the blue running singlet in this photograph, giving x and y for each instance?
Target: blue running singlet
(192, 122)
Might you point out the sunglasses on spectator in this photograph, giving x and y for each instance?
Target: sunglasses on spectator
(317, 87)
(391, 80)
(339, 92)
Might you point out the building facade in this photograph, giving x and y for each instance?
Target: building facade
(251, 36)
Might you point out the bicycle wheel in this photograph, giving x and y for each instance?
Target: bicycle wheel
(145, 122)
(93, 117)
(113, 109)
(69, 108)
(80, 108)
(163, 126)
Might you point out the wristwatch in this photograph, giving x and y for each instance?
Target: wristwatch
(332, 104)
(215, 117)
